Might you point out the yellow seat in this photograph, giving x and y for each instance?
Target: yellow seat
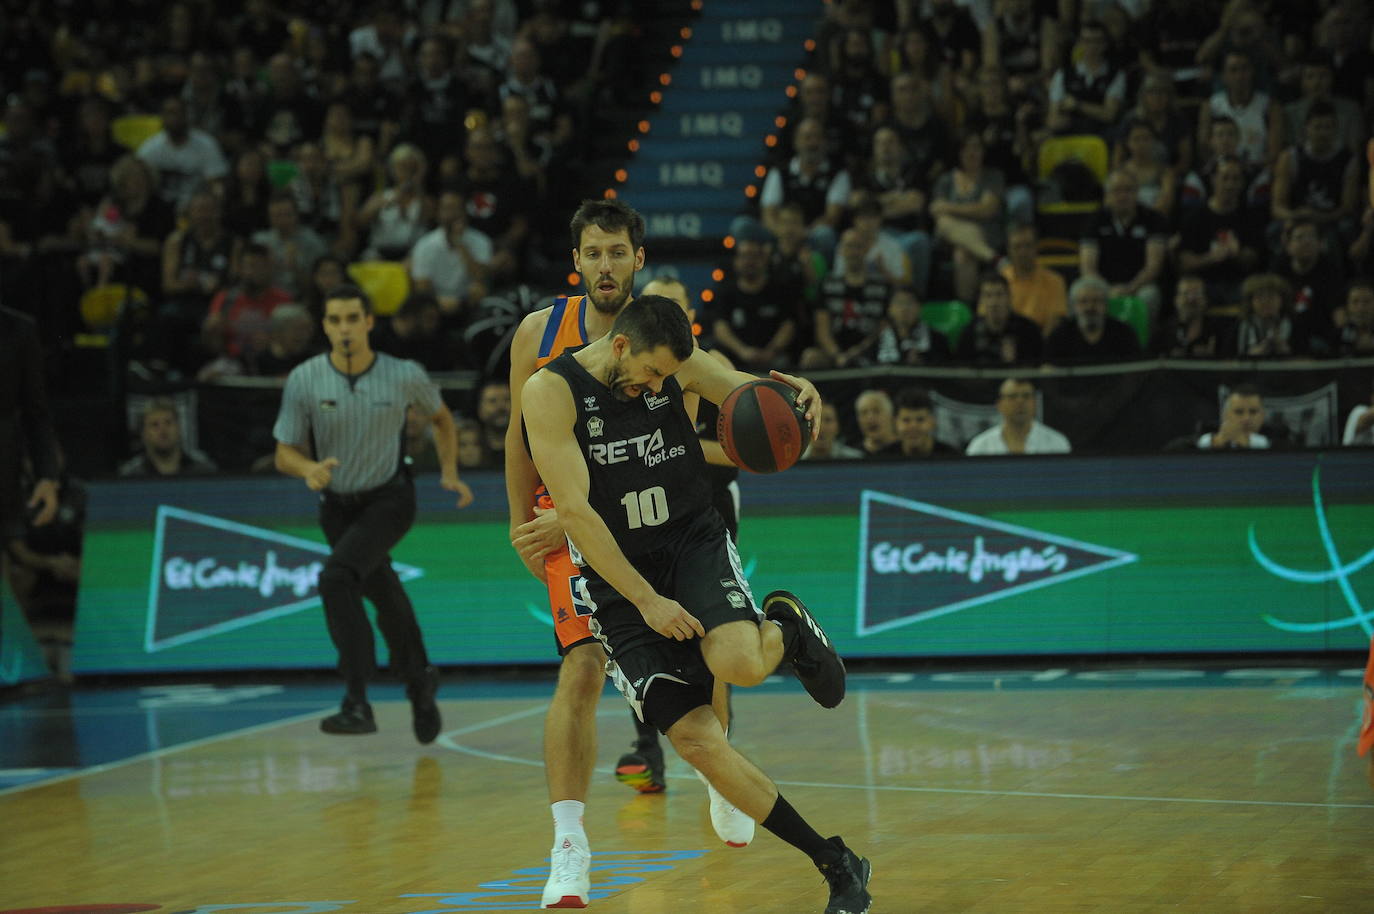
(130, 130)
(1088, 148)
(1133, 311)
(100, 306)
(385, 282)
(948, 317)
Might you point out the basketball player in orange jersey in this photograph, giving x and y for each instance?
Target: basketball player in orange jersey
(608, 250)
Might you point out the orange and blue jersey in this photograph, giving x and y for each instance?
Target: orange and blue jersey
(565, 330)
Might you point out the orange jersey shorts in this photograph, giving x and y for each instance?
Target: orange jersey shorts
(570, 615)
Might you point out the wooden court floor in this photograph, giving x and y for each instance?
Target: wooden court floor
(1214, 792)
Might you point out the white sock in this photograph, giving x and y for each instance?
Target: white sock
(567, 818)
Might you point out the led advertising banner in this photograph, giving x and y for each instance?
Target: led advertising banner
(1177, 553)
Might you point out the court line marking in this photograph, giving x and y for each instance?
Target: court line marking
(446, 741)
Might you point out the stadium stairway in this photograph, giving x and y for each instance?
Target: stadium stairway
(696, 161)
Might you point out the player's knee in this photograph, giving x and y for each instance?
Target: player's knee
(739, 668)
(582, 674)
(697, 746)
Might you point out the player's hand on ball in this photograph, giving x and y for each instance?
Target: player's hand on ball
(807, 396)
(669, 619)
(321, 473)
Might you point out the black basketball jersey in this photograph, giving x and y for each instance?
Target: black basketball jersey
(648, 475)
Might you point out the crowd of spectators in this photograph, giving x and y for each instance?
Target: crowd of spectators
(217, 162)
(1231, 137)
(228, 163)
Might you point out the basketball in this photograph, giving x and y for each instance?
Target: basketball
(761, 428)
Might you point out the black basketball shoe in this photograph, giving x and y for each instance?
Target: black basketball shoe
(848, 878)
(424, 712)
(807, 648)
(354, 718)
(642, 768)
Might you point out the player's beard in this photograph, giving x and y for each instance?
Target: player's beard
(614, 304)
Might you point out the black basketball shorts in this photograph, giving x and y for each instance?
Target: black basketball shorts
(663, 679)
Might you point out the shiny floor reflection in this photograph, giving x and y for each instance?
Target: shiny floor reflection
(1104, 790)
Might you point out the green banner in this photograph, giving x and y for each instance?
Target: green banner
(1172, 554)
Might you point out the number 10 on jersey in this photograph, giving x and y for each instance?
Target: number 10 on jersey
(646, 508)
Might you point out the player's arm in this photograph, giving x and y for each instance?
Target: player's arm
(710, 447)
(549, 409)
(532, 536)
(703, 375)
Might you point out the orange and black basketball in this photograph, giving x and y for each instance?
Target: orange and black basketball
(761, 427)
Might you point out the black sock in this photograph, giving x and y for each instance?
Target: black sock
(788, 626)
(357, 691)
(645, 734)
(787, 824)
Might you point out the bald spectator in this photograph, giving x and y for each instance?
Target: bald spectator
(1241, 419)
(1126, 244)
(1019, 432)
(163, 452)
(874, 413)
(1091, 335)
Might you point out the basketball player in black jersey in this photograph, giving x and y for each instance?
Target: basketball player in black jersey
(632, 495)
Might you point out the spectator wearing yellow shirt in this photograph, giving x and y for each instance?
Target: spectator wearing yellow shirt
(1036, 292)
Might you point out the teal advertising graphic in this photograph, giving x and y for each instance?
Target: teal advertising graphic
(920, 561)
(1339, 572)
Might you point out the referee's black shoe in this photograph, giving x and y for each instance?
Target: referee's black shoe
(354, 718)
(807, 648)
(848, 877)
(424, 712)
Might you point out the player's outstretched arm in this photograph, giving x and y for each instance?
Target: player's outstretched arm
(703, 375)
(563, 468)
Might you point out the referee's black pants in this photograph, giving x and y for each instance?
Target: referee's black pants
(362, 529)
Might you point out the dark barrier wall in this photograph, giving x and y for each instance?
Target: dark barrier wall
(1172, 553)
(1139, 408)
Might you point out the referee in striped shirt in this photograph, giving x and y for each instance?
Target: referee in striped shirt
(348, 406)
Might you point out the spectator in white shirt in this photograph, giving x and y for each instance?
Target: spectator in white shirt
(1019, 432)
(451, 262)
(185, 158)
(1359, 427)
(1241, 419)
